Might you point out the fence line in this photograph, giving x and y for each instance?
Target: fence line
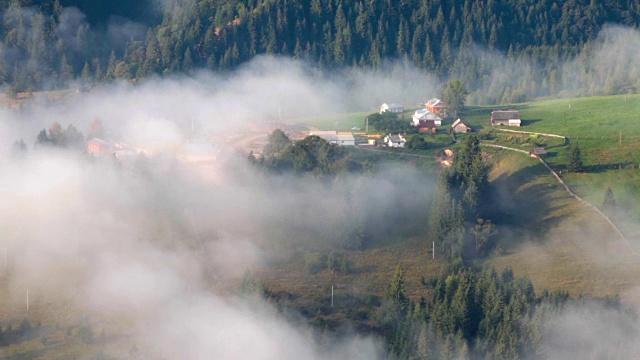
(568, 189)
(535, 133)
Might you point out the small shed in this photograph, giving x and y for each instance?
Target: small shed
(538, 152)
(459, 126)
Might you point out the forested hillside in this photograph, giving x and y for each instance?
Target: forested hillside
(47, 44)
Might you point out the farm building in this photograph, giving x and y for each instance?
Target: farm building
(392, 108)
(98, 147)
(396, 141)
(334, 137)
(538, 152)
(425, 115)
(460, 126)
(506, 117)
(436, 106)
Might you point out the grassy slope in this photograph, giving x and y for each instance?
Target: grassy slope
(602, 118)
(556, 241)
(549, 236)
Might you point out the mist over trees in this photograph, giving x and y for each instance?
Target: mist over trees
(47, 44)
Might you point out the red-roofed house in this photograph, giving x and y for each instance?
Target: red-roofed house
(436, 106)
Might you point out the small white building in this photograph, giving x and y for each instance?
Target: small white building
(392, 108)
(423, 115)
(343, 139)
(396, 141)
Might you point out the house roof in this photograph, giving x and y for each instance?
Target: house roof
(396, 138)
(505, 115)
(99, 141)
(460, 121)
(435, 102)
(538, 151)
(346, 137)
(424, 114)
(333, 136)
(393, 105)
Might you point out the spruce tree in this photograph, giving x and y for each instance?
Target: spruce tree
(575, 160)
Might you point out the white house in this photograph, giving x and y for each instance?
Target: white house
(396, 141)
(343, 139)
(391, 107)
(423, 115)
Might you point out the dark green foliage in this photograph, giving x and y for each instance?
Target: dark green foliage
(43, 52)
(462, 190)
(69, 138)
(483, 231)
(389, 122)
(471, 314)
(312, 155)
(396, 292)
(609, 203)
(454, 95)
(276, 142)
(416, 142)
(575, 159)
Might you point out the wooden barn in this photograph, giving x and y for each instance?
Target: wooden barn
(506, 117)
(459, 126)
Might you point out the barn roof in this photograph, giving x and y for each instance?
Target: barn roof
(459, 121)
(505, 114)
(538, 151)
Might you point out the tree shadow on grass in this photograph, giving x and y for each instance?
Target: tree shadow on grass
(525, 209)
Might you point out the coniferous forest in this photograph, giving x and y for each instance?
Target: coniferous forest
(48, 44)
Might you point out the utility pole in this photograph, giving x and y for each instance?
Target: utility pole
(366, 128)
(433, 250)
(331, 295)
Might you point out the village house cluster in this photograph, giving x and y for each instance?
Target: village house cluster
(427, 119)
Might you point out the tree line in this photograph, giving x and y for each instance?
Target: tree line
(46, 48)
